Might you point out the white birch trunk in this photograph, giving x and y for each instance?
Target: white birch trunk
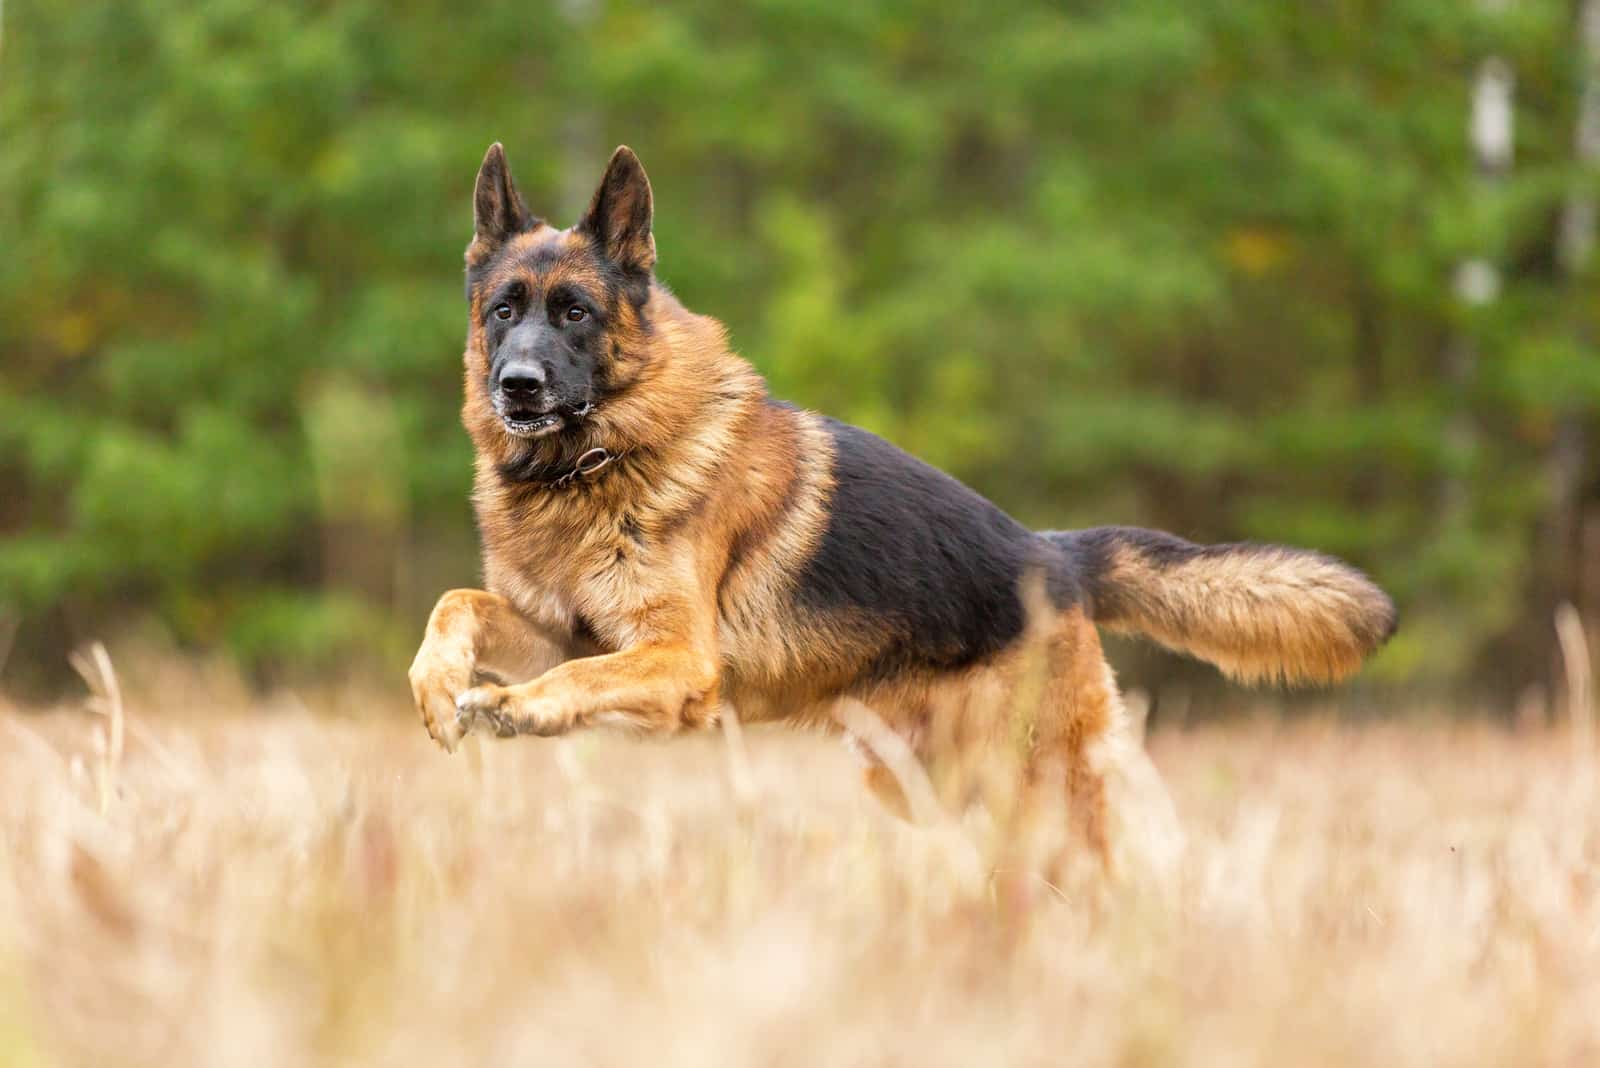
(1477, 280)
(1576, 247)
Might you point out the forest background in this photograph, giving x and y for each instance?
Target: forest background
(1321, 273)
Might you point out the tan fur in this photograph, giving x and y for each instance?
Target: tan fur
(1260, 613)
(659, 593)
(680, 564)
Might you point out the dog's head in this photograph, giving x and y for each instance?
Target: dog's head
(558, 317)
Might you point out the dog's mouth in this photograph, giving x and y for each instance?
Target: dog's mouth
(530, 423)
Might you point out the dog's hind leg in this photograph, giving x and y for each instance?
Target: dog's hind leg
(1084, 747)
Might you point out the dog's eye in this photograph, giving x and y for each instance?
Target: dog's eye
(502, 312)
(576, 314)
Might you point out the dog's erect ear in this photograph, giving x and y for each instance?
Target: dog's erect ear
(498, 213)
(619, 215)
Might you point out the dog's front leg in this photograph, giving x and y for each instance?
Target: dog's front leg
(470, 630)
(653, 687)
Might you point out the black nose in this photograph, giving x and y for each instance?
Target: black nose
(520, 378)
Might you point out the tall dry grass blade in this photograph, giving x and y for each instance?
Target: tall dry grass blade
(176, 770)
(739, 777)
(106, 700)
(1574, 643)
(477, 773)
(892, 751)
(1136, 706)
(38, 751)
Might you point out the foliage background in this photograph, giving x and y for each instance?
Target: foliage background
(1157, 262)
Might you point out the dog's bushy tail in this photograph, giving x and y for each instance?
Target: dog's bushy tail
(1258, 612)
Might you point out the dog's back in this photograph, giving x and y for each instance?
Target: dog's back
(915, 573)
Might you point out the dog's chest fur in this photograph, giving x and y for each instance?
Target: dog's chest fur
(585, 572)
(605, 563)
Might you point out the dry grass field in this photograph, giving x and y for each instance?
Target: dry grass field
(310, 882)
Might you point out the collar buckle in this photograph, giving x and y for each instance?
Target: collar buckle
(587, 464)
(592, 461)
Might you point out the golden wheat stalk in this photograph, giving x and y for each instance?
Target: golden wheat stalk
(893, 753)
(105, 699)
(1574, 642)
(740, 780)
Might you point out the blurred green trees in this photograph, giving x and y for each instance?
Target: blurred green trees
(1156, 262)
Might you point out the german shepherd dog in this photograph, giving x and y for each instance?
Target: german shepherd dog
(665, 544)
